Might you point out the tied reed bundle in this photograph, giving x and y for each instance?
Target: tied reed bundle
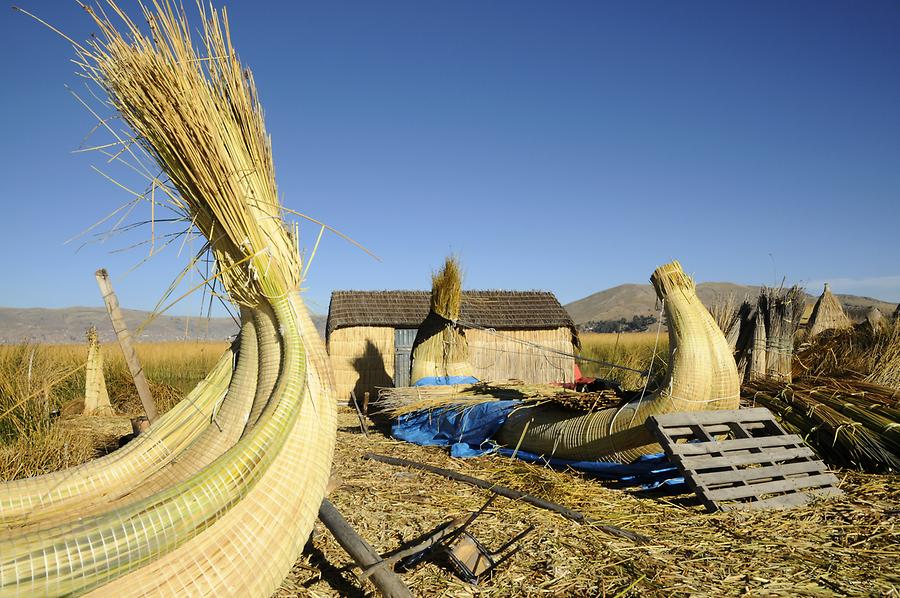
(783, 310)
(96, 396)
(446, 290)
(850, 424)
(228, 516)
(827, 314)
(866, 353)
(440, 349)
(727, 314)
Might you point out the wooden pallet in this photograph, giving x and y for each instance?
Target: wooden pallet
(742, 459)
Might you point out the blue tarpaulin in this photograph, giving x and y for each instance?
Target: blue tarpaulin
(445, 380)
(468, 433)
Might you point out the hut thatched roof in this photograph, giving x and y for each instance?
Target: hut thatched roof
(502, 310)
(827, 314)
(897, 311)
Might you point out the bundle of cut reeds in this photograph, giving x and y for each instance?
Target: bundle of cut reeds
(866, 353)
(765, 341)
(850, 424)
(96, 396)
(440, 349)
(827, 314)
(395, 402)
(702, 376)
(182, 510)
(727, 314)
(783, 310)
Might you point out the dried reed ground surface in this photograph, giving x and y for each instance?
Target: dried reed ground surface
(847, 546)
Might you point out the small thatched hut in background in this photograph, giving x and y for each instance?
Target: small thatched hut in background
(370, 334)
(827, 314)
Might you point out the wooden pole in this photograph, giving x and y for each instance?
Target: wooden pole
(131, 358)
(387, 582)
(509, 493)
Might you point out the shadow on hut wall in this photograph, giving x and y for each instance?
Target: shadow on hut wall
(372, 374)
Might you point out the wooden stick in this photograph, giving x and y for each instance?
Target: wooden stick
(131, 358)
(362, 420)
(387, 582)
(510, 493)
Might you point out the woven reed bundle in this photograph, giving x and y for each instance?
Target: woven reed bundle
(827, 314)
(440, 348)
(96, 397)
(233, 512)
(702, 376)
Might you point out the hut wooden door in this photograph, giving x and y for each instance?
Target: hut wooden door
(403, 342)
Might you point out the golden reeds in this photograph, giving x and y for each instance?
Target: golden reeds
(860, 353)
(782, 309)
(702, 376)
(847, 545)
(849, 424)
(827, 314)
(440, 349)
(237, 524)
(96, 396)
(446, 290)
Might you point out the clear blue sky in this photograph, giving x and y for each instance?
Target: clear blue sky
(565, 146)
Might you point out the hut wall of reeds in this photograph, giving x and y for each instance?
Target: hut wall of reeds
(362, 358)
(513, 355)
(509, 334)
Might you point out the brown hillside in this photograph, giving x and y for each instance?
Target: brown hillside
(629, 300)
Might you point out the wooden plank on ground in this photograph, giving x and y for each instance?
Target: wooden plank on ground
(690, 418)
(737, 460)
(714, 447)
(752, 474)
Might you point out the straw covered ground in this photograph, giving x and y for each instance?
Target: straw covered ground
(848, 546)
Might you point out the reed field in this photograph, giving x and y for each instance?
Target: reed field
(631, 349)
(42, 397)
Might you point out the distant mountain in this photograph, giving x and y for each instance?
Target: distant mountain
(68, 325)
(629, 300)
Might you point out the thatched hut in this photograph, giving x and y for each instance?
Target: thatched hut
(511, 335)
(827, 314)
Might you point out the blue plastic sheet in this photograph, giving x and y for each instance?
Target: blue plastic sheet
(468, 433)
(471, 426)
(445, 380)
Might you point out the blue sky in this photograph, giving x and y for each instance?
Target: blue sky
(564, 146)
